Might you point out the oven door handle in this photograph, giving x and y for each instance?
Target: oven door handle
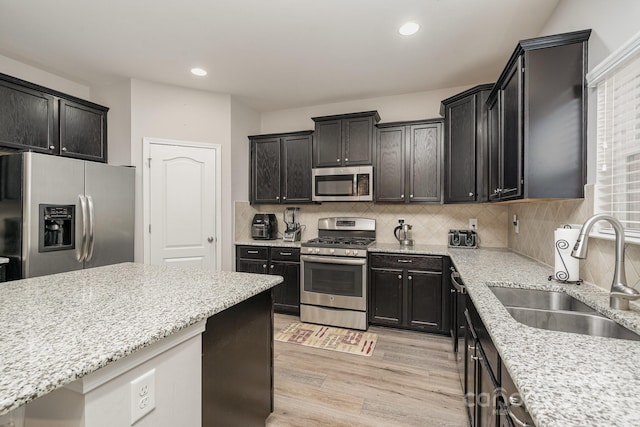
(333, 260)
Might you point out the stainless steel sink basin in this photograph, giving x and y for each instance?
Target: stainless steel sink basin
(545, 300)
(576, 322)
(558, 311)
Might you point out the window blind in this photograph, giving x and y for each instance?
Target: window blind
(617, 191)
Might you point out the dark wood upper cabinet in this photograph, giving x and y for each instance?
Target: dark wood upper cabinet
(345, 139)
(408, 162)
(465, 145)
(537, 120)
(83, 131)
(36, 118)
(27, 118)
(280, 169)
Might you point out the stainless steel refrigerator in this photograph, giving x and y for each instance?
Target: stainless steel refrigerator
(59, 214)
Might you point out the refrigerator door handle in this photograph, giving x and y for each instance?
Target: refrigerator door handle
(91, 240)
(81, 254)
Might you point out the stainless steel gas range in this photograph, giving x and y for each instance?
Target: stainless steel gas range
(333, 282)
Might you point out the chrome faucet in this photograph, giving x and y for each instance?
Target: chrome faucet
(620, 294)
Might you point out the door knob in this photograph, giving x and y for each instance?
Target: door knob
(210, 239)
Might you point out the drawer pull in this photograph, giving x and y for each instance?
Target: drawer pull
(405, 261)
(252, 252)
(285, 253)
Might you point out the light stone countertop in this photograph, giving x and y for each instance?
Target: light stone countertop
(279, 243)
(58, 328)
(565, 379)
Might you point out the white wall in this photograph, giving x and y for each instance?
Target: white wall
(117, 97)
(411, 106)
(35, 75)
(612, 22)
(172, 112)
(244, 122)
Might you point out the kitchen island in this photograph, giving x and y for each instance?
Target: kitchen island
(58, 330)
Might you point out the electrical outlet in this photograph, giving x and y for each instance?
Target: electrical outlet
(473, 224)
(516, 224)
(400, 220)
(143, 395)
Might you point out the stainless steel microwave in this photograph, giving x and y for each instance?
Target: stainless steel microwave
(343, 184)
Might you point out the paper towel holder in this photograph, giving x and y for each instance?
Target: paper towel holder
(562, 276)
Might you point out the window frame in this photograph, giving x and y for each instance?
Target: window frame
(602, 72)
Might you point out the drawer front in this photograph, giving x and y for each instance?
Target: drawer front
(253, 252)
(285, 254)
(413, 262)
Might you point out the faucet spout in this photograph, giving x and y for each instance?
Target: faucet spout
(620, 294)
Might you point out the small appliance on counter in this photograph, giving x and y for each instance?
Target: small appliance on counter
(403, 233)
(293, 232)
(264, 226)
(463, 239)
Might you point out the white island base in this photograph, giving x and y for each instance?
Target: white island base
(100, 398)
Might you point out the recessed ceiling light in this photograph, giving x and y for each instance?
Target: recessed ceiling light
(409, 28)
(199, 72)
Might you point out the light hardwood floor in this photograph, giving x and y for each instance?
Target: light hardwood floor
(410, 380)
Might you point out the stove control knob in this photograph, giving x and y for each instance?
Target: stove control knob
(347, 251)
(309, 250)
(355, 252)
(317, 250)
(332, 251)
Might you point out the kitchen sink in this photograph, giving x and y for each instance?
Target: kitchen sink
(558, 311)
(576, 322)
(545, 300)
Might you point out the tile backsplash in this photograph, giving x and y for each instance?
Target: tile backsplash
(537, 222)
(431, 223)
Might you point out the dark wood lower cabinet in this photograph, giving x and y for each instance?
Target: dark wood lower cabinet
(237, 364)
(424, 293)
(408, 291)
(286, 296)
(385, 297)
(491, 397)
(281, 261)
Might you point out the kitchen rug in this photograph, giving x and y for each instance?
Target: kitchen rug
(329, 338)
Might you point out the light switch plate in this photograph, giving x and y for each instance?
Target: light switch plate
(143, 395)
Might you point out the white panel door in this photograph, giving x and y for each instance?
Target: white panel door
(182, 194)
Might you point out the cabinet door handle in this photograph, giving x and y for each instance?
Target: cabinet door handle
(252, 252)
(410, 278)
(402, 196)
(399, 276)
(515, 400)
(264, 265)
(411, 196)
(52, 147)
(471, 348)
(271, 267)
(476, 358)
(64, 148)
(470, 194)
(346, 160)
(284, 198)
(277, 197)
(405, 261)
(337, 160)
(285, 253)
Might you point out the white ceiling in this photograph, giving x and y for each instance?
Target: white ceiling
(272, 54)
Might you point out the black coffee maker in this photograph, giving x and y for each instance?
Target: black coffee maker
(264, 226)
